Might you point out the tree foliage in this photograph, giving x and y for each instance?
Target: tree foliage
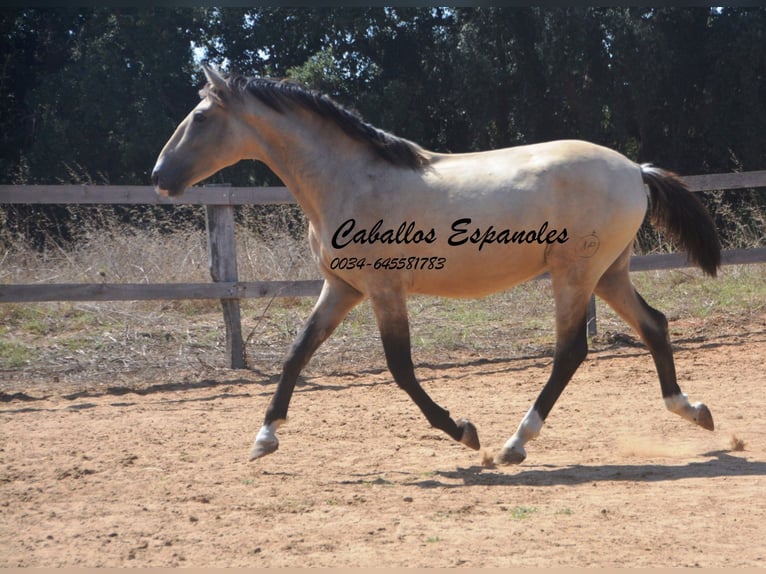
(92, 94)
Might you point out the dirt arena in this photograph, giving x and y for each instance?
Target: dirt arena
(156, 473)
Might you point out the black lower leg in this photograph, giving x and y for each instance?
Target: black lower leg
(399, 360)
(390, 309)
(334, 303)
(300, 353)
(571, 350)
(653, 328)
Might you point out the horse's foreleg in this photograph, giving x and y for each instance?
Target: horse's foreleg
(391, 313)
(571, 350)
(334, 303)
(617, 290)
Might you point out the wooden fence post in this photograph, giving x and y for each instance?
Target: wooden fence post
(592, 330)
(222, 252)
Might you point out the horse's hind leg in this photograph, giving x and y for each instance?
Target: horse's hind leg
(571, 350)
(651, 325)
(335, 301)
(390, 310)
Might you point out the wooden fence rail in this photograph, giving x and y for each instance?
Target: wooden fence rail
(219, 202)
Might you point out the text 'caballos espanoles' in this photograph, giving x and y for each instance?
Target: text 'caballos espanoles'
(462, 233)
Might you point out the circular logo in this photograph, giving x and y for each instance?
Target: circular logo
(588, 245)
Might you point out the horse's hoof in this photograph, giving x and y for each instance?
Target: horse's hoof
(703, 417)
(513, 455)
(262, 448)
(470, 437)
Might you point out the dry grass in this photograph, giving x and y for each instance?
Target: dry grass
(118, 253)
(81, 341)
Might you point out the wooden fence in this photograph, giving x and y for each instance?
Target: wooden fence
(220, 202)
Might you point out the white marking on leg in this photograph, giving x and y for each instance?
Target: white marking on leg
(677, 403)
(529, 428)
(268, 432)
(680, 405)
(266, 440)
(513, 451)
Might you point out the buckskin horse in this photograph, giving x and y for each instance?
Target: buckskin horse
(388, 218)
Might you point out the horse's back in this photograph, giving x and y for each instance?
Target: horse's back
(572, 161)
(569, 183)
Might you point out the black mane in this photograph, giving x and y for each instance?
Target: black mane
(279, 95)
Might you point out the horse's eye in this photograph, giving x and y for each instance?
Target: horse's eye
(199, 117)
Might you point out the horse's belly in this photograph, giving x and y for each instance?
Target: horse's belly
(466, 261)
(476, 274)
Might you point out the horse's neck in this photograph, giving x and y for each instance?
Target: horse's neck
(311, 156)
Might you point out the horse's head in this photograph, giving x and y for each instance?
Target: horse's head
(206, 141)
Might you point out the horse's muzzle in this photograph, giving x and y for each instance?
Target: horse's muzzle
(163, 185)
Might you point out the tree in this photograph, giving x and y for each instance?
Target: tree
(99, 90)
(93, 94)
(89, 95)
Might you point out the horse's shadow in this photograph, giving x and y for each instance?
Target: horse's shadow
(722, 464)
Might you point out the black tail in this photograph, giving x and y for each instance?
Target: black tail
(676, 210)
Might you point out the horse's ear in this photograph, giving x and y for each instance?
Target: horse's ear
(214, 78)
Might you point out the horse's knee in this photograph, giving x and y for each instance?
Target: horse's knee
(572, 352)
(579, 350)
(401, 367)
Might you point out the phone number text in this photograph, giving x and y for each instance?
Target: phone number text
(390, 263)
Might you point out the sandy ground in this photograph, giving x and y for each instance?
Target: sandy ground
(155, 473)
